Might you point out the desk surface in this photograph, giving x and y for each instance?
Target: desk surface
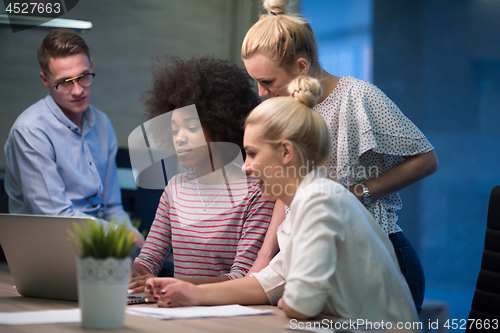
(11, 301)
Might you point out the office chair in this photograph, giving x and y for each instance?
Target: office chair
(4, 198)
(139, 203)
(4, 207)
(486, 302)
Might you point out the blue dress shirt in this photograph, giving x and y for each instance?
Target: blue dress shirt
(54, 168)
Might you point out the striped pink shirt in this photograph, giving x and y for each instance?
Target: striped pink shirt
(222, 239)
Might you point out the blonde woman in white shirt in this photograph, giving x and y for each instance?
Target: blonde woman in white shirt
(376, 150)
(334, 258)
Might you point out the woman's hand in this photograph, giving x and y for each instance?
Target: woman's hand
(170, 292)
(139, 275)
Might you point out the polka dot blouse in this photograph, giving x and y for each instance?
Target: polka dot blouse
(369, 135)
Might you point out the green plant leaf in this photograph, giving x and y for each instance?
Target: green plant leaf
(101, 242)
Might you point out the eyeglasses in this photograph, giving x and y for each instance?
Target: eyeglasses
(84, 80)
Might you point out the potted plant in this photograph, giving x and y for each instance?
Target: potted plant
(103, 271)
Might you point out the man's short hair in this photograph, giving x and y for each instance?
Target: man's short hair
(60, 43)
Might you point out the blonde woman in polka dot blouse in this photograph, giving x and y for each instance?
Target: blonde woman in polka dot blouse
(375, 149)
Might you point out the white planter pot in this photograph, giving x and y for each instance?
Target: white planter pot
(102, 291)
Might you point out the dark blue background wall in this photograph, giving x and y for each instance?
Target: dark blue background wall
(439, 61)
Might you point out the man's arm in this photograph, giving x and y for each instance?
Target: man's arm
(33, 182)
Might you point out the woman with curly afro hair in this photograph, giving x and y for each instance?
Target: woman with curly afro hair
(221, 91)
(212, 216)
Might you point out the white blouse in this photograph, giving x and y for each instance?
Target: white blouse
(335, 259)
(369, 135)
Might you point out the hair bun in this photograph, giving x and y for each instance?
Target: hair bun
(305, 90)
(276, 7)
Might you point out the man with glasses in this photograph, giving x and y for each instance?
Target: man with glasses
(60, 153)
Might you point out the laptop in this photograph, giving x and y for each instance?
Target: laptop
(40, 256)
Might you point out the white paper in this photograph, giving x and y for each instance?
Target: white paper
(41, 317)
(196, 312)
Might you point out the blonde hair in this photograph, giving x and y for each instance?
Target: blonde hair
(284, 38)
(292, 118)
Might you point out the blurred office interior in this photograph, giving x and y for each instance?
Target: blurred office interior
(438, 60)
